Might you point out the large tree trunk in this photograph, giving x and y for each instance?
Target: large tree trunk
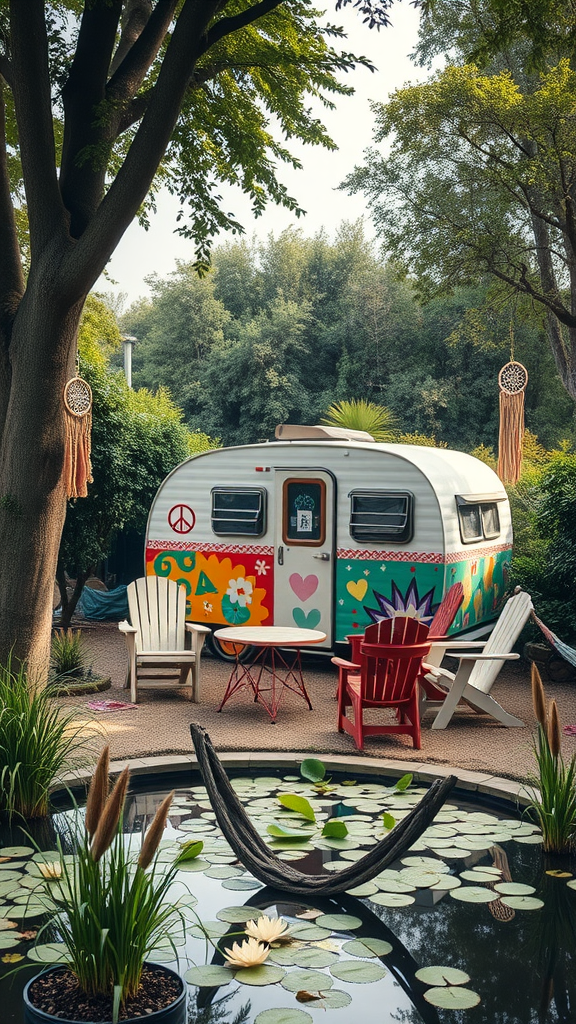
(32, 495)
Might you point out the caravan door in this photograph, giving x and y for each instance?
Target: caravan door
(305, 550)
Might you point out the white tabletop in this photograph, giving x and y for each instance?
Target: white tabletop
(270, 636)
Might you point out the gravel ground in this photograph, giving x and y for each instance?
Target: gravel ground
(160, 722)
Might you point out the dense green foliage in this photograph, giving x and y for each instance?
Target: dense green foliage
(477, 175)
(137, 438)
(543, 507)
(281, 330)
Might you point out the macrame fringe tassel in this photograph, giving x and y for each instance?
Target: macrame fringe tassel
(77, 464)
(511, 436)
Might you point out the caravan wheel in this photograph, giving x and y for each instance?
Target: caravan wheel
(228, 651)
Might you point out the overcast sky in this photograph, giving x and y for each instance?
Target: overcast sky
(315, 186)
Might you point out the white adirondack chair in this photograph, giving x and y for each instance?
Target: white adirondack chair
(479, 664)
(156, 639)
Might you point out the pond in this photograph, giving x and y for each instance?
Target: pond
(475, 894)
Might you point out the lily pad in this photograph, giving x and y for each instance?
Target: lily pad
(241, 883)
(452, 998)
(572, 884)
(522, 902)
(197, 864)
(16, 851)
(514, 889)
(283, 1015)
(239, 915)
(262, 974)
(446, 882)
(223, 871)
(392, 899)
(209, 976)
(313, 957)
(306, 981)
(339, 922)
(49, 953)
(473, 894)
(367, 889)
(9, 939)
(442, 976)
(367, 947)
(396, 884)
(310, 932)
(533, 840)
(358, 971)
(477, 876)
(209, 929)
(283, 956)
(285, 832)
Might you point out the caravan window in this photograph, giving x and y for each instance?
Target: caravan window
(381, 516)
(239, 511)
(478, 520)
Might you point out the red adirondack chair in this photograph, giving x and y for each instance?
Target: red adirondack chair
(390, 664)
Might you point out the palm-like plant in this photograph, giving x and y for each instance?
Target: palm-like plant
(358, 414)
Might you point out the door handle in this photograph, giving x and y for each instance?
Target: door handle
(323, 556)
(280, 555)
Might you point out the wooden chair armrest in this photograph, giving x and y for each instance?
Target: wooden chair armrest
(455, 644)
(430, 670)
(488, 657)
(125, 627)
(192, 627)
(349, 665)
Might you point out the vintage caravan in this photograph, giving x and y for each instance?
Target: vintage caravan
(325, 528)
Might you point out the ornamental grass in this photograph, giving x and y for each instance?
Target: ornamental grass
(554, 803)
(39, 742)
(112, 907)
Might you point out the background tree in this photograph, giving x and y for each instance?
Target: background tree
(481, 174)
(102, 101)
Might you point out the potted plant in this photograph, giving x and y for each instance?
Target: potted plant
(112, 910)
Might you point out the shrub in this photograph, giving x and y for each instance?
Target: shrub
(68, 652)
(38, 743)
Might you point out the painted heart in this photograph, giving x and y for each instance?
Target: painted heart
(303, 588)
(306, 620)
(357, 588)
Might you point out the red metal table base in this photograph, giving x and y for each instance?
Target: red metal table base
(269, 675)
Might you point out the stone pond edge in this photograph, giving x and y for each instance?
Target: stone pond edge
(483, 783)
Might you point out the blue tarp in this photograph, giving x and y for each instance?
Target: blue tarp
(104, 604)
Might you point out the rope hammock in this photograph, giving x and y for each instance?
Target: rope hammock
(254, 853)
(566, 652)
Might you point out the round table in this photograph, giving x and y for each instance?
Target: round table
(270, 666)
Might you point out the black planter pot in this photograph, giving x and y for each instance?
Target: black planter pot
(174, 1013)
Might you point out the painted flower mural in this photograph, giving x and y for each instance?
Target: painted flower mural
(410, 603)
(240, 592)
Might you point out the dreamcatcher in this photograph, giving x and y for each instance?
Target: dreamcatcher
(512, 381)
(77, 465)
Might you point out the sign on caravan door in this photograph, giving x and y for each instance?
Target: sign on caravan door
(304, 550)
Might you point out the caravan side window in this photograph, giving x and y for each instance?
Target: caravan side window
(239, 510)
(478, 520)
(381, 516)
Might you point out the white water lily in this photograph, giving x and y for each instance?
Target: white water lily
(249, 953)
(268, 929)
(50, 869)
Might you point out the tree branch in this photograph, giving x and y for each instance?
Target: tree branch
(121, 203)
(32, 99)
(11, 276)
(147, 39)
(227, 25)
(83, 166)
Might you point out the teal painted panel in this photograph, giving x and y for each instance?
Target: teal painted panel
(367, 590)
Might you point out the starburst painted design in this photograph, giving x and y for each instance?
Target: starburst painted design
(410, 603)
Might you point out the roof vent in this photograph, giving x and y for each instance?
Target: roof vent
(299, 432)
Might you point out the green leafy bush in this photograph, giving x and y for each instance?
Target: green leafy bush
(38, 743)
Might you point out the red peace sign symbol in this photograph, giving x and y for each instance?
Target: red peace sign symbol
(181, 518)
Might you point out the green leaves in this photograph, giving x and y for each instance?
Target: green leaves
(404, 782)
(189, 851)
(297, 803)
(312, 769)
(335, 829)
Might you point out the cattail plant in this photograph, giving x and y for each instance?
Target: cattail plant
(553, 804)
(113, 908)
